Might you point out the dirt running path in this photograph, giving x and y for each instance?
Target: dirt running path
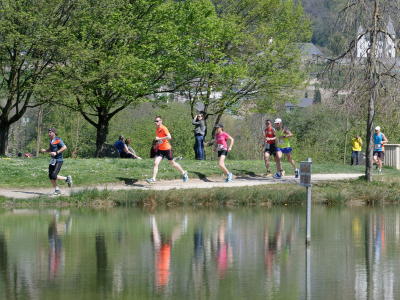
(18, 193)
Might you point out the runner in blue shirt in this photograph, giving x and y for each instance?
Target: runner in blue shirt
(56, 149)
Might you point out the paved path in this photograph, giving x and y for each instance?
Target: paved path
(18, 193)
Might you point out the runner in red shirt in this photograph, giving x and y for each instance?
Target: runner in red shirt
(270, 147)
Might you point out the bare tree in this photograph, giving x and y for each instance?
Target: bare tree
(367, 67)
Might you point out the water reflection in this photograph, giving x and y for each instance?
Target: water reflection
(239, 253)
(56, 254)
(162, 245)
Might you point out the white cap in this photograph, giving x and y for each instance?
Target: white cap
(278, 121)
(377, 128)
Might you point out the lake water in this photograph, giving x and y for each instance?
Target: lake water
(188, 253)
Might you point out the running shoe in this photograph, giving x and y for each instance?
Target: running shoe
(380, 172)
(185, 177)
(296, 173)
(56, 193)
(68, 180)
(151, 180)
(267, 174)
(229, 179)
(282, 173)
(277, 176)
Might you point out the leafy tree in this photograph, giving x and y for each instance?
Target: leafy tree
(249, 60)
(31, 37)
(124, 52)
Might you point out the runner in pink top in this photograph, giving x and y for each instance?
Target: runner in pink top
(223, 149)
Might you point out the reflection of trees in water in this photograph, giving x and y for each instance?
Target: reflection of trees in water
(267, 255)
(4, 272)
(101, 263)
(376, 276)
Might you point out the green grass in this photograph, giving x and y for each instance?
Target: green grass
(85, 172)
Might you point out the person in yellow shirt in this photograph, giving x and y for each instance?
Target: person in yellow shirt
(356, 143)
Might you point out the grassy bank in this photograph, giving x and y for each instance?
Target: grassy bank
(20, 173)
(383, 190)
(34, 172)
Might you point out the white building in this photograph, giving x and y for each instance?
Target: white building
(384, 43)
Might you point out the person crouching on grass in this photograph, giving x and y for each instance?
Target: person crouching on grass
(222, 146)
(57, 147)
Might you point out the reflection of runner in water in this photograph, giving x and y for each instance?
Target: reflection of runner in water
(162, 252)
(274, 246)
(56, 253)
(198, 261)
(224, 251)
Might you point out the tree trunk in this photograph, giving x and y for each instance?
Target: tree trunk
(4, 130)
(345, 140)
(101, 137)
(39, 130)
(75, 150)
(372, 95)
(370, 137)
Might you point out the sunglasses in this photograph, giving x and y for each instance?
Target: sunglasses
(156, 121)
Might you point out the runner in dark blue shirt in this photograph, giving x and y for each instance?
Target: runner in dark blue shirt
(56, 149)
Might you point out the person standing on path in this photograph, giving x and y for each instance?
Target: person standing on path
(283, 147)
(356, 144)
(164, 151)
(199, 133)
(270, 147)
(379, 141)
(221, 138)
(57, 147)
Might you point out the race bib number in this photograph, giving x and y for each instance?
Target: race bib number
(280, 139)
(267, 146)
(220, 147)
(53, 161)
(378, 146)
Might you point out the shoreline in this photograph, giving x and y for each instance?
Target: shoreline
(164, 185)
(349, 191)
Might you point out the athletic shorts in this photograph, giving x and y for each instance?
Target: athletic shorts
(222, 152)
(270, 149)
(55, 169)
(165, 154)
(380, 154)
(284, 150)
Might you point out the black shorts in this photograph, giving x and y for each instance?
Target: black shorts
(222, 152)
(54, 170)
(271, 150)
(168, 154)
(380, 154)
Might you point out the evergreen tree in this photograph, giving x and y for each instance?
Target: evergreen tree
(317, 96)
